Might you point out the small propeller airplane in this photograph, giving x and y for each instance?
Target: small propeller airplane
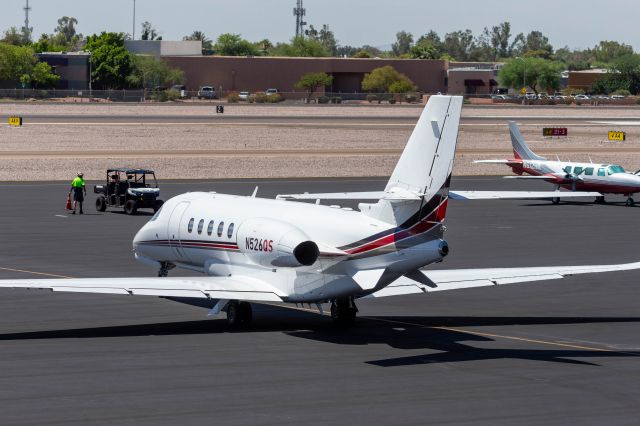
(576, 177)
(248, 249)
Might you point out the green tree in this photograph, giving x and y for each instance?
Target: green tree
(234, 45)
(149, 72)
(536, 45)
(111, 62)
(362, 54)
(402, 86)
(424, 49)
(313, 81)
(65, 33)
(539, 73)
(459, 45)
(624, 74)
(15, 37)
(402, 46)
(42, 76)
(200, 36)
(574, 60)
(148, 32)
(432, 38)
(328, 40)
(381, 80)
(300, 47)
(607, 51)
(15, 61)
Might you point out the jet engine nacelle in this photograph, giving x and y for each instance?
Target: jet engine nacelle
(272, 243)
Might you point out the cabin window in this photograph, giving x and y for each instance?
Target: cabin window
(577, 170)
(220, 229)
(588, 171)
(200, 226)
(190, 227)
(600, 172)
(230, 230)
(567, 169)
(210, 228)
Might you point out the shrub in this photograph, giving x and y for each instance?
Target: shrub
(233, 98)
(411, 98)
(172, 94)
(273, 98)
(260, 98)
(251, 99)
(323, 99)
(622, 92)
(336, 100)
(159, 96)
(370, 98)
(392, 101)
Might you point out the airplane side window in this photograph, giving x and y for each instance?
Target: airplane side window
(577, 170)
(601, 172)
(567, 169)
(230, 230)
(588, 171)
(190, 227)
(200, 226)
(210, 228)
(220, 228)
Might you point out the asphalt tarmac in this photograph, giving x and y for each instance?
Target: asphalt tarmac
(527, 117)
(553, 352)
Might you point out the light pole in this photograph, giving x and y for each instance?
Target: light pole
(133, 36)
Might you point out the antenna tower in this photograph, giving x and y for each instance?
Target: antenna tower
(26, 30)
(299, 12)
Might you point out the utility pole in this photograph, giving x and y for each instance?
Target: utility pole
(299, 12)
(26, 30)
(133, 35)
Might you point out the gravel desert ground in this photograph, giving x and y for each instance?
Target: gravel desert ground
(203, 150)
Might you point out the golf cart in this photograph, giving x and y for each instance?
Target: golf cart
(131, 189)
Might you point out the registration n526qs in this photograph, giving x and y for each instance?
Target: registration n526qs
(245, 249)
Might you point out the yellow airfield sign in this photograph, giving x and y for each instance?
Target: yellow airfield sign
(15, 121)
(617, 136)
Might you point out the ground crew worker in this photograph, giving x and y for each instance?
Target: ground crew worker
(79, 192)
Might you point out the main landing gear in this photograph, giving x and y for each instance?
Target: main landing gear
(343, 311)
(630, 202)
(600, 200)
(555, 200)
(239, 314)
(165, 267)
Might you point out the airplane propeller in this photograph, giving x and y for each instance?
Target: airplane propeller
(574, 178)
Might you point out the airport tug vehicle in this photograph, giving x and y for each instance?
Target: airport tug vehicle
(129, 189)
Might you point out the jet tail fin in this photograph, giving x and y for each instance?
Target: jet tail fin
(520, 149)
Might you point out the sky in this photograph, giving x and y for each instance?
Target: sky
(573, 23)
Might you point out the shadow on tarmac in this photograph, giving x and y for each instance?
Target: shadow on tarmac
(403, 333)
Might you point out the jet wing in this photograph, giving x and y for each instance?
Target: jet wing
(232, 288)
(517, 195)
(468, 278)
(454, 195)
(507, 162)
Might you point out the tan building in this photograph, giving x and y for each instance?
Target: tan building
(253, 74)
(472, 81)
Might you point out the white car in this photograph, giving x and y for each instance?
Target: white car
(581, 97)
(271, 92)
(617, 97)
(244, 95)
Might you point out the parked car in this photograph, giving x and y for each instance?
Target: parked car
(207, 92)
(180, 88)
(272, 91)
(244, 95)
(581, 97)
(617, 96)
(499, 97)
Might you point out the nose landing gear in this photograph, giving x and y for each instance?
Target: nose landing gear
(165, 267)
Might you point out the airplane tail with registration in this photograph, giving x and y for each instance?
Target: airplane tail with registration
(521, 150)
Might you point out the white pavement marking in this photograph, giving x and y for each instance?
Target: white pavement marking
(617, 123)
(60, 215)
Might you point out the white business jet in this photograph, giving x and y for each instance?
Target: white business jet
(248, 249)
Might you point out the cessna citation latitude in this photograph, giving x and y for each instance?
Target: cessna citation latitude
(249, 249)
(602, 178)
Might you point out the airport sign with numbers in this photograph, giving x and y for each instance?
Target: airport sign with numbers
(554, 131)
(15, 121)
(617, 136)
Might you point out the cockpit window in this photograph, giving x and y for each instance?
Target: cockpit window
(615, 169)
(155, 216)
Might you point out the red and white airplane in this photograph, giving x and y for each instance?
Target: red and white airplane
(249, 249)
(598, 179)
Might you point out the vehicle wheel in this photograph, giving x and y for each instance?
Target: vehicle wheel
(246, 314)
(233, 314)
(131, 207)
(630, 202)
(101, 204)
(157, 205)
(555, 200)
